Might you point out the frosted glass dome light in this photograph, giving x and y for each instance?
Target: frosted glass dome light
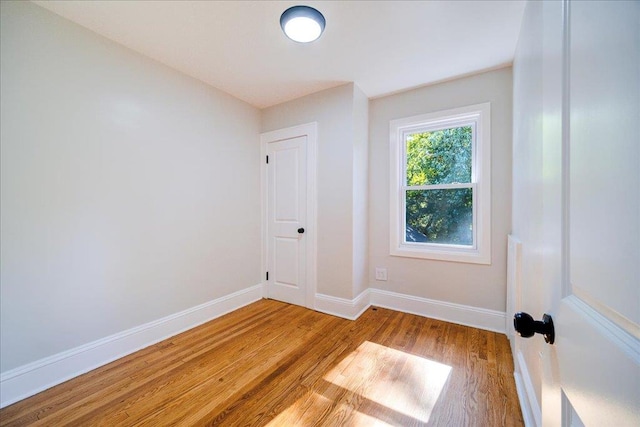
(302, 24)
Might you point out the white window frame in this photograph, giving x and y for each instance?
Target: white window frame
(479, 117)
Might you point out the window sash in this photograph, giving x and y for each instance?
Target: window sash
(474, 221)
(434, 127)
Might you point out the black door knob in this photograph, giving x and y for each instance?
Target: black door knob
(300, 230)
(527, 327)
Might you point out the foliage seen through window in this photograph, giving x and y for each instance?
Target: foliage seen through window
(439, 215)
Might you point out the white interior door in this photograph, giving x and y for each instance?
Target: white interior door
(591, 182)
(287, 226)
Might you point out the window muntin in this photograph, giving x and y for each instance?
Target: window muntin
(440, 171)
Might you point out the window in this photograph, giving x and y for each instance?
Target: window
(441, 185)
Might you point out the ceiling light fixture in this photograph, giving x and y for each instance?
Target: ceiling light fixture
(302, 24)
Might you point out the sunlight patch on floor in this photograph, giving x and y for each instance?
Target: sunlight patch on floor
(299, 414)
(374, 385)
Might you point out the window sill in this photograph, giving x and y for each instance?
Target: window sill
(470, 256)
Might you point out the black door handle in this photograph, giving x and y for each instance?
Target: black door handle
(527, 327)
(300, 230)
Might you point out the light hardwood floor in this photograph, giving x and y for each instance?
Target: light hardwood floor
(276, 364)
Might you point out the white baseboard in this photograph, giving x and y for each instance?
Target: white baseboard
(456, 313)
(531, 410)
(27, 380)
(342, 307)
(40, 375)
(480, 318)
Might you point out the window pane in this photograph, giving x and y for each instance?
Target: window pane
(439, 157)
(440, 216)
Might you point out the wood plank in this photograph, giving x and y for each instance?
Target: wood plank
(272, 363)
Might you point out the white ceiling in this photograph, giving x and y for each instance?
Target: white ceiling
(238, 46)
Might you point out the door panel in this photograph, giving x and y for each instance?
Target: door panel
(599, 369)
(286, 211)
(286, 170)
(285, 271)
(604, 182)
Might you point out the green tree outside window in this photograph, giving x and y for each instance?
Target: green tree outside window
(437, 215)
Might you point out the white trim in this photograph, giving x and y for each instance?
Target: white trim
(342, 307)
(476, 317)
(527, 415)
(514, 283)
(531, 410)
(27, 380)
(38, 376)
(310, 130)
(480, 116)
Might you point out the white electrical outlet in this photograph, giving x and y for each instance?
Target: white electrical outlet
(381, 274)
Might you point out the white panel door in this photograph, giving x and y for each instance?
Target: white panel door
(591, 180)
(286, 223)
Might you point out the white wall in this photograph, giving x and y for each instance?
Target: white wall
(339, 112)
(482, 286)
(360, 192)
(129, 191)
